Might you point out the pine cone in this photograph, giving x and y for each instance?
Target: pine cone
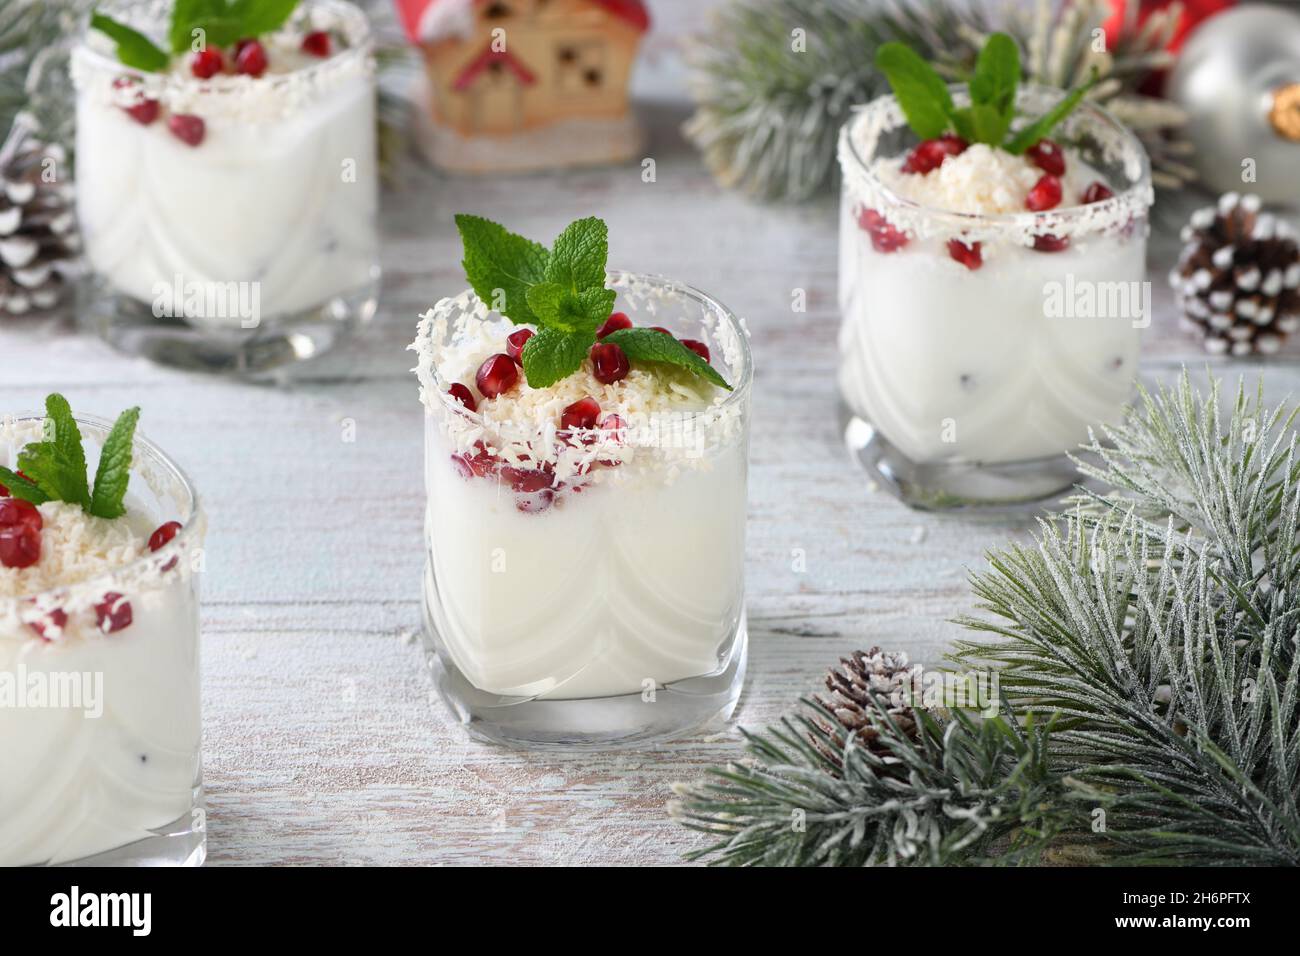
(39, 242)
(1238, 278)
(887, 675)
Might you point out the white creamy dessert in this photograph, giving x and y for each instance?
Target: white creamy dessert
(99, 678)
(947, 346)
(193, 189)
(581, 562)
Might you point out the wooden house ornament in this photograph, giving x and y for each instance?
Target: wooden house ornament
(526, 84)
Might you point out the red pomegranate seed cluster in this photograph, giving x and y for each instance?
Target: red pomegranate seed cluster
(1046, 194)
(930, 154)
(20, 533)
(1047, 156)
(247, 58)
(536, 488)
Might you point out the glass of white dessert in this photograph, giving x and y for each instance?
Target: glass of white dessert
(99, 669)
(585, 575)
(228, 200)
(992, 303)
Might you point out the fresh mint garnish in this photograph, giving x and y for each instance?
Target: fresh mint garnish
(926, 103)
(133, 48)
(562, 291)
(552, 355)
(920, 91)
(217, 23)
(648, 345)
(54, 469)
(501, 267)
(114, 471)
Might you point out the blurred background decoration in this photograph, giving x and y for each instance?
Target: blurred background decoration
(555, 95)
(773, 80)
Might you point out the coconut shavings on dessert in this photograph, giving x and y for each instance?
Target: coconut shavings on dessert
(74, 546)
(981, 179)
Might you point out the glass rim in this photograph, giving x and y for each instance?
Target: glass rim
(224, 83)
(192, 526)
(1138, 192)
(740, 389)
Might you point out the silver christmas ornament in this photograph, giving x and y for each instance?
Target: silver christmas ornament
(1238, 78)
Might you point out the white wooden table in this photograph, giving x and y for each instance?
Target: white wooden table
(324, 742)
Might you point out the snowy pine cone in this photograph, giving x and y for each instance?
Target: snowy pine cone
(1238, 278)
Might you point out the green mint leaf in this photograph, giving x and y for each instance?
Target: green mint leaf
(597, 304)
(20, 487)
(501, 266)
(133, 48)
(220, 27)
(993, 90)
(551, 355)
(114, 471)
(261, 16)
(578, 255)
(647, 345)
(987, 124)
(555, 306)
(1038, 129)
(921, 92)
(58, 464)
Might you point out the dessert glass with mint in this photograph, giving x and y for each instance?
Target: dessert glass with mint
(99, 646)
(586, 440)
(227, 180)
(992, 267)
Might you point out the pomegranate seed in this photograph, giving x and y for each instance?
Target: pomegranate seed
(497, 374)
(240, 44)
(515, 343)
(316, 43)
(584, 413)
(4, 492)
(20, 546)
(1045, 195)
(1096, 192)
(15, 511)
(113, 614)
(930, 153)
(609, 363)
(699, 348)
(615, 322)
(1048, 243)
(163, 534)
(527, 480)
(968, 255)
(250, 58)
(144, 112)
(463, 395)
(659, 328)
(481, 464)
(188, 129)
(207, 63)
(57, 619)
(1047, 156)
(884, 237)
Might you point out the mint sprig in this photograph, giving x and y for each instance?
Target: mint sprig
(133, 48)
(222, 23)
(562, 291)
(928, 107)
(648, 345)
(55, 467)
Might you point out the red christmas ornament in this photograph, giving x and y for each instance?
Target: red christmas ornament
(1194, 11)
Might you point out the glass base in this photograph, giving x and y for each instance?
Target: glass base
(946, 486)
(598, 723)
(183, 842)
(276, 345)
